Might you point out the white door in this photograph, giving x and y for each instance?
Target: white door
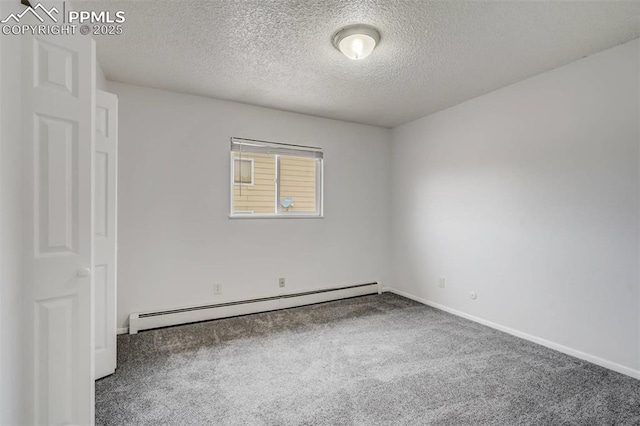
(58, 116)
(105, 228)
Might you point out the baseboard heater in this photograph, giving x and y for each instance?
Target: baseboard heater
(147, 320)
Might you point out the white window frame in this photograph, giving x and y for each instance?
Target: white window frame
(318, 214)
(233, 177)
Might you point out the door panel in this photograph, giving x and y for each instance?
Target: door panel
(57, 192)
(56, 357)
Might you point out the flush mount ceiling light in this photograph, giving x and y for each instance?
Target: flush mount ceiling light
(356, 41)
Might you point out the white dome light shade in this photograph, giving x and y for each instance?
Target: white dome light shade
(357, 46)
(356, 42)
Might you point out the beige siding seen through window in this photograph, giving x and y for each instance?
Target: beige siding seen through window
(297, 182)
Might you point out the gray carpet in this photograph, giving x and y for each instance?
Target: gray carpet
(373, 360)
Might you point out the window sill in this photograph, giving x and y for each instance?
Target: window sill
(274, 216)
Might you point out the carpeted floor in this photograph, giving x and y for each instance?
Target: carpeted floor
(373, 360)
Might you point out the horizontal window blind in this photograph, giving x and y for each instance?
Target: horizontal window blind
(262, 147)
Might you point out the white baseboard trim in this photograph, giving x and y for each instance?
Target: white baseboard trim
(124, 330)
(139, 321)
(540, 341)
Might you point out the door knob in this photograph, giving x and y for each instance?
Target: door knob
(83, 272)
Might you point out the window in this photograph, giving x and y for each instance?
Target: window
(243, 171)
(275, 180)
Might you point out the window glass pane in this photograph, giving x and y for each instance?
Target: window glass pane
(297, 185)
(258, 198)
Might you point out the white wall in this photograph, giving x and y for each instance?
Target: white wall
(175, 238)
(530, 196)
(11, 346)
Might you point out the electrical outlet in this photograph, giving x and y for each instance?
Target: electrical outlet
(441, 282)
(217, 288)
(281, 282)
(473, 295)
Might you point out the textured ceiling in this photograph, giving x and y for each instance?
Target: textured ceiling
(432, 55)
